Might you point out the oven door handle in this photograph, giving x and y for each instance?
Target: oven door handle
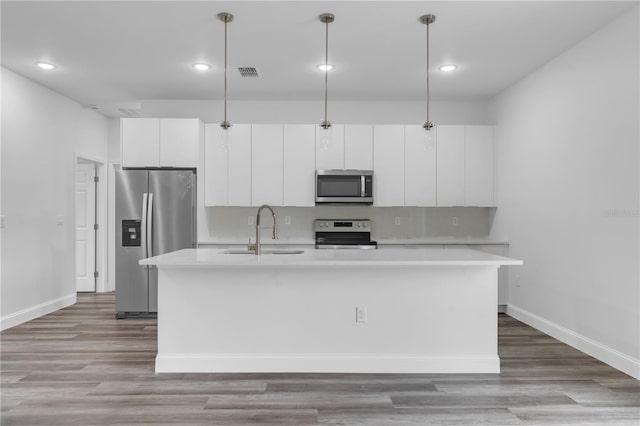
(362, 186)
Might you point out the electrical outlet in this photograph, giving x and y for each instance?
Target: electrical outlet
(287, 220)
(2, 221)
(455, 221)
(361, 314)
(398, 220)
(250, 220)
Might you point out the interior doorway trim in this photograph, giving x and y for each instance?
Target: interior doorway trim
(101, 217)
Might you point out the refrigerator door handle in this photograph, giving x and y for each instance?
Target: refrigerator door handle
(143, 226)
(150, 226)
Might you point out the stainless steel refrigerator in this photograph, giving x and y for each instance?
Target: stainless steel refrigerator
(155, 214)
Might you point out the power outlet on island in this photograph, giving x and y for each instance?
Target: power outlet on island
(361, 314)
(287, 220)
(249, 220)
(398, 221)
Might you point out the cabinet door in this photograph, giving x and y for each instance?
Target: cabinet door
(239, 163)
(420, 166)
(450, 165)
(330, 153)
(299, 165)
(140, 142)
(179, 139)
(266, 164)
(215, 168)
(358, 147)
(478, 162)
(388, 165)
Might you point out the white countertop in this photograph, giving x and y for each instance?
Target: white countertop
(381, 242)
(391, 256)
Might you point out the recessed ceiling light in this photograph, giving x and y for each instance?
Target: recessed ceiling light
(202, 67)
(325, 67)
(45, 65)
(448, 68)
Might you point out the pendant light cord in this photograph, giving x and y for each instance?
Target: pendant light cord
(326, 67)
(225, 72)
(427, 73)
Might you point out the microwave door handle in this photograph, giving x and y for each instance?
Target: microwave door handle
(362, 187)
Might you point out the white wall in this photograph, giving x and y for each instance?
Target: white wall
(41, 132)
(568, 185)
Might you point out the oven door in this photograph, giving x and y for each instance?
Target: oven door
(344, 187)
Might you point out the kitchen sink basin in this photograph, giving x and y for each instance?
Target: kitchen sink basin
(264, 251)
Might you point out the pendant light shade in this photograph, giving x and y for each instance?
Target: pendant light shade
(427, 20)
(225, 125)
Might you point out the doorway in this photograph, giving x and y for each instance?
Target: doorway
(88, 220)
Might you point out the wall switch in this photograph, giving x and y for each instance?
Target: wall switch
(455, 221)
(361, 314)
(287, 220)
(398, 220)
(250, 220)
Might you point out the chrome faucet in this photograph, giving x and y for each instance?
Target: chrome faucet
(258, 249)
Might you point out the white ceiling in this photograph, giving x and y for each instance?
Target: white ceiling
(117, 54)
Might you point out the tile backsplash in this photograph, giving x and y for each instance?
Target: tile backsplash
(237, 224)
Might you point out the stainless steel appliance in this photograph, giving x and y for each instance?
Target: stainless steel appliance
(344, 234)
(344, 187)
(155, 214)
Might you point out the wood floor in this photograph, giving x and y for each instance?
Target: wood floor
(81, 366)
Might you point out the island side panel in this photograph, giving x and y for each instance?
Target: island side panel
(419, 320)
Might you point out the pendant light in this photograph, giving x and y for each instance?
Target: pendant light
(427, 20)
(325, 125)
(225, 126)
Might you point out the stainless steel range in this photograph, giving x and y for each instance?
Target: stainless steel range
(344, 234)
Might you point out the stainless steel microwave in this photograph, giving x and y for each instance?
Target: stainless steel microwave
(344, 187)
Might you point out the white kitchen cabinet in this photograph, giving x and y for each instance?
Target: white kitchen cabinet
(165, 142)
(450, 166)
(227, 166)
(299, 165)
(267, 164)
(478, 163)
(358, 147)
(420, 166)
(140, 142)
(179, 142)
(388, 165)
(330, 153)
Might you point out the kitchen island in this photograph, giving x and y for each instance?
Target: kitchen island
(391, 310)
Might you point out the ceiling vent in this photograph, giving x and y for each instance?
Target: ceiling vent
(130, 112)
(248, 72)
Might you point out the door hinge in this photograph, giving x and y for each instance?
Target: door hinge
(95, 226)
(95, 274)
(96, 179)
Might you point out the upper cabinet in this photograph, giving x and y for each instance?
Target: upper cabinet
(358, 147)
(388, 165)
(160, 142)
(299, 165)
(420, 166)
(227, 166)
(330, 148)
(267, 166)
(465, 166)
(450, 166)
(478, 166)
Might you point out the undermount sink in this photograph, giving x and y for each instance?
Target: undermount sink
(264, 251)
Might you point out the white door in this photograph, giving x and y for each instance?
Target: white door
(85, 233)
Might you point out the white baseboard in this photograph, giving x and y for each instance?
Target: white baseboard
(323, 363)
(604, 353)
(33, 312)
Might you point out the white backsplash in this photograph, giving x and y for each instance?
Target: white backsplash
(231, 224)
